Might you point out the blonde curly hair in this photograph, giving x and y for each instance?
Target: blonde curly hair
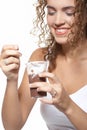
(45, 36)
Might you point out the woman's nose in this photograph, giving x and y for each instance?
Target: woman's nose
(59, 19)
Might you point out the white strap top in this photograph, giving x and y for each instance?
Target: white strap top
(55, 119)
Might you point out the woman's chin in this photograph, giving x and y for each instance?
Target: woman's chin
(61, 41)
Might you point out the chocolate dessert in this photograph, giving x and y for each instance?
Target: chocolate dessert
(36, 78)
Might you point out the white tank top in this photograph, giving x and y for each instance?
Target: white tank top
(55, 119)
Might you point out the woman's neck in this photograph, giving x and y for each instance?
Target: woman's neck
(75, 53)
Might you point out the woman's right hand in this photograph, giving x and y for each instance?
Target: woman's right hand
(10, 61)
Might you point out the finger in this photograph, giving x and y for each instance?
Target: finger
(11, 53)
(38, 84)
(45, 87)
(11, 60)
(41, 86)
(10, 47)
(11, 67)
(49, 75)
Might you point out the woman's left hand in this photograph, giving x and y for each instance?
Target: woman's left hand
(60, 98)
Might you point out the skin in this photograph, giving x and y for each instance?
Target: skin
(17, 103)
(60, 18)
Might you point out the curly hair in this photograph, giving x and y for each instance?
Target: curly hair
(79, 27)
(78, 31)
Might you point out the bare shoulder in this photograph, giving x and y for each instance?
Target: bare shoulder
(24, 91)
(38, 54)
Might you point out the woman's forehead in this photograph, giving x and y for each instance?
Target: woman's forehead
(61, 2)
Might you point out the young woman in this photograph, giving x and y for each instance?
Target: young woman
(65, 35)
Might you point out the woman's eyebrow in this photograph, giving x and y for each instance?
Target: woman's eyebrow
(68, 7)
(50, 7)
(64, 8)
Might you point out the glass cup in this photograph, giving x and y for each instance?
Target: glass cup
(33, 69)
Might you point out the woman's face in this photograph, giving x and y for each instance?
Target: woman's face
(60, 16)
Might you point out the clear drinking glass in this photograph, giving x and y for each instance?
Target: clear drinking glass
(33, 69)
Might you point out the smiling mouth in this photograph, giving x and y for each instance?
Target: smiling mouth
(61, 31)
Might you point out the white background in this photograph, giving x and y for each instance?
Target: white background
(15, 24)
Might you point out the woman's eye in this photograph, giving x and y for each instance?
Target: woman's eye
(70, 13)
(51, 13)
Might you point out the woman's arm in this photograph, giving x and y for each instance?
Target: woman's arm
(17, 102)
(17, 105)
(77, 116)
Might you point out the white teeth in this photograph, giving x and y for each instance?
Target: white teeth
(61, 30)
